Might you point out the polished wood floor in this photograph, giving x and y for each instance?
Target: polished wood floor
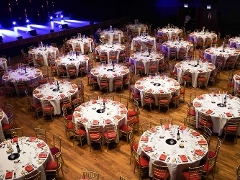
(113, 163)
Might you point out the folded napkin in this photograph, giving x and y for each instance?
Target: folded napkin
(105, 100)
(40, 145)
(150, 90)
(144, 138)
(176, 84)
(42, 155)
(94, 101)
(228, 114)
(31, 139)
(29, 168)
(35, 91)
(195, 133)
(183, 158)
(15, 139)
(199, 152)
(200, 97)
(166, 126)
(118, 117)
(199, 70)
(39, 95)
(153, 130)
(202, 142)
(140, 87)
(108, 121)
(172, 89)
(62, 95)
(77, 109)
(147, 149)
(95, 122)
(138, 82)
(49, 97)
(8, 174)
(183, 127)
(71, 91)
(209, 111)
(163, 157)
(197, 104)
(161, 91)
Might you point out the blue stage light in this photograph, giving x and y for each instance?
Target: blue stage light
(51, 17)
(27, 20)
(14, 23)
(61, 16)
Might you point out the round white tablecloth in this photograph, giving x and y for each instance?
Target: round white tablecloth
(157, 85)
(110, 73)
(136, 27)
(170, 31)
(143, 40)
(209, 104)
(112, 34)
(234, 42)
(195, 35)
(156, 144)
(46, 92)
(34, 155)
(45, 50)
(146, 57)
(194, 69)
(81, 41)
(87, 114)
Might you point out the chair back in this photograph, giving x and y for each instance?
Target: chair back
(36, 176)
(189, 122)
(160, 172)
(207, 134)
(57, 142)
(17, 132)
(195, 172)
(146, 126)
(41, 134)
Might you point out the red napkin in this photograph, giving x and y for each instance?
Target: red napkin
(71, 90)
(199, 70)
(183, 127)
(9, 175)
(39, 95)
(195, 133)
(161, 91)
(108, 121)
(62, 95)
(138, 82)
(118, 117)
(228, 114)
(140, 87)
(200, 97)
(202, 142)
(152, 130)
(148, 148)
(163, 157)
(144, 138)
(15, 139)
(49, 97)
(29, 168)
(166, 126)
(199, 152)
(94, 101)
(197, 104)
(122, 106)
(105, 100)
(83, 120)
(42, 155)
(95, 122)
(40, 145)
(209, 111)
(31, 139)
(183, 158)
(176, 84)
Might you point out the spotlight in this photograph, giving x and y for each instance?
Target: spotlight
(51, 17)
(27, 20)
(14, 23)
(61, 16)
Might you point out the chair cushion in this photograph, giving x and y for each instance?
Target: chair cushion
(37, 105)
(207, 167)
(80, 132)
(110, 135)
(186, 176)
(202, 79)
(163, 101)
(160, 174)
(131, 113)
(206, 123)
(231, 128)
(135, 147)
(6, 127)
(125, 128)
(143, 161)
(70, 125)
(52, 165)
(94, 136)
(54, 150)
(148, 100)
(47, 108)
(211, 154)
(192, 112)
(68, 117)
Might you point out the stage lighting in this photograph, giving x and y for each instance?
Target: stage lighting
(27, 20)
(51, 18)
(14, 23)
(61, 16)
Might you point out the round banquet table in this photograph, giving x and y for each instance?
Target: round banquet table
(146, 57)
(109, 72)
(44, 51)
(234, 42)
(3, 120)
(195, 35)
(34, 155)
(110, 47)
(3, 63)
(170, 31)
(176, 44)
(213, 52)
(156, 85)
(73, 60)
(139, 27)
(81, 41)
(88, 114)
(30, 75)
(112, 34)
(209, 104)
(46, 92)
(144, 40)
(194, 68)
(236, 81)
(162, 147)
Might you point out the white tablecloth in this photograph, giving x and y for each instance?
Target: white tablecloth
(81, 41)
(156, 140)
(110, 47)
(219, 115)
(234, 42)
(177, 44)
(170, 31)
(31, 74)
(86, 114)
(73, 60)
(46, 92)
(145, 57)
(3, 120)
(195, 35)
(143, 40)
(157, 85)
(108, 72)
(136, 28)
(194, 69)
(29, 155)
(43, 51)
(112, 34)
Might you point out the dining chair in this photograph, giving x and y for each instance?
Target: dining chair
(110, 134)
(106, 97)
(202, 79)
(54, 166)
(16, 132)
(57, 146)
(35, 176)
(204, 120)
(207, 134)
(122, 178)
(93, 97)
(126, 129)
(40, 134)
(79, 132)
(47, 109)
(141, 163)
(95, 136)
(133, 145)
(146, 125)
(166, 122)
(212, 153)
(190, 122)
(148, 100)
(164, 101)
(118, 83)
(104, 84)
(91, 175)
(160, 172)
(195, 173)
(187, 77)
(72, 70)
(175, 99)
(231, 128)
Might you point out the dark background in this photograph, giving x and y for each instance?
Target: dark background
(224, 14)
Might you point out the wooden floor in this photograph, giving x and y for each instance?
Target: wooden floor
(115, 162)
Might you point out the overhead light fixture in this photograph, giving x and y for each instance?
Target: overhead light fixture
(185, 5)
(209, 7)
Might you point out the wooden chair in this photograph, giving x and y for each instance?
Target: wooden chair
(118, 83)
(207, 134)
(54, 166)
(79, 132)
(166, 122)
(104, 84)
(40, 134)
(126, 129)
(72, 70)
(36, 176)
(202, 79)
(146, 125)
(95, 136)
(190, 122)
(57, 146)
(110, 134)
(212, 153)
(122, 178)
(160, 172)
(142, 165)
(17, 132)
(148, 100)
(195, 173)
(164, 101)
(47, 109)
(231, 128)
(204, 120)
(91, 175)
(133, 145)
